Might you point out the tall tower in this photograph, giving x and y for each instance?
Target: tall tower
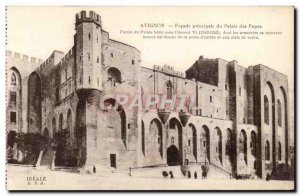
(87, 42)
(88, 51)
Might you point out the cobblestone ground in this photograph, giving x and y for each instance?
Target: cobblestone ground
(57, 180)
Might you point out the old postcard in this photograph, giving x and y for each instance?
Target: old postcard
(150, 98)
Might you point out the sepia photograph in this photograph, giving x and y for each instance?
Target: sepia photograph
(150, 98)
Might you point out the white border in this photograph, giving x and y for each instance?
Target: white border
(3, 3)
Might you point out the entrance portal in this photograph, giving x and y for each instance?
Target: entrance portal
(173, 156)
(113, 161)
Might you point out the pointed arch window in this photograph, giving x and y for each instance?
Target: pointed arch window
(266, 109)
(60, 125)
(279, 113)
(13, 80)
(267, 151)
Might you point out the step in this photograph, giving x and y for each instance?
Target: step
(47, 157)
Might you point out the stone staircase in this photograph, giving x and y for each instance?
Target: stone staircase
(47, 158)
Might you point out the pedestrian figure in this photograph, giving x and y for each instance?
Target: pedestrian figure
(268, 177)
(94, 169)
(204, 175)
(189, 174)
(195, 175)
(171, 175)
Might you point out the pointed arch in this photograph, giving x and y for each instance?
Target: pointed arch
(285, 116)
(243, 145)
(266, 109)
(194, 147)
(205, 143)
(155, 131)
(15, 98)
(16, 78)
(13, 79)
(175, 130)
(116, 116)
(34, 114)
(69, 122)
(273, 122)
(253, 144)
(60, 124)
(279, 113)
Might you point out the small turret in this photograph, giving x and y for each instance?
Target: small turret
(93, 17)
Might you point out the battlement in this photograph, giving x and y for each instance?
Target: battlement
(93, 17)
(46, 62)
(66, 57)
(23, 57)
(167, 69)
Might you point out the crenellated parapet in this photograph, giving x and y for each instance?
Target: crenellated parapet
(167, 69)
(92, 17)
(69, 55)
(23, 57)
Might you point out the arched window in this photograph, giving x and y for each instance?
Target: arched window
(266, 111)
(279, 151)
(279, 113)
(69, 121)
(243, 145)
(169, 89)
(267, 151)
(155, 131)
(114, 76)
(13, 80)
(192, 130)
(60, 128)
(205, 143)
(34, 111)
(253, 143)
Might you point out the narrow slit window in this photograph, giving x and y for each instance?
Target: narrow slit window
(13, 117)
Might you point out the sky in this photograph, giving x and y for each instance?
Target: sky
(37, 31)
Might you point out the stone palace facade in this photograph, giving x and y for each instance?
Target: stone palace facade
(239, 122)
